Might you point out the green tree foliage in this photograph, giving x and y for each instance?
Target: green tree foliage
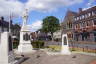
(50, 25)
(16, 26)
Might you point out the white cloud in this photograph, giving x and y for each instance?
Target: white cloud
(16, 7)
(89, 4)
(10, 6)
(47, 5)
(36, 25)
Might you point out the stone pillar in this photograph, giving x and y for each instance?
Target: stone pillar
(65, 45)
(6, 50)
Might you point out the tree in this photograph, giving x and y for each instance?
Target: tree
(16, 30)
(50, 25)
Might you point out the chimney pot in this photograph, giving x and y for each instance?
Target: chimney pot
(80, 9)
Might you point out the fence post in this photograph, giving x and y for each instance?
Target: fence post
(87, 48)
(83, 49)
(95, 50)
(77, 47)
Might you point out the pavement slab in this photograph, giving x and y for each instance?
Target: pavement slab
(40, 57)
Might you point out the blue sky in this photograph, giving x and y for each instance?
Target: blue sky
(39, 9)
(59, 13)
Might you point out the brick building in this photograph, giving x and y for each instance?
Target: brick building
(67, 24)
(85, 25)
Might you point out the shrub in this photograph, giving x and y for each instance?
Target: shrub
(38, 44)
(15, 44)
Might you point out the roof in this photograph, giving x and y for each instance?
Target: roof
(68, 15)
(86, 11)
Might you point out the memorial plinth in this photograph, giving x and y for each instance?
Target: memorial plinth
(25, 43)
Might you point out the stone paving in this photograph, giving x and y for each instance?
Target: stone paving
(93, 62)
(40, 57)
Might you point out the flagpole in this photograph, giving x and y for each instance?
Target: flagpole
(10, 18)
(9, 23)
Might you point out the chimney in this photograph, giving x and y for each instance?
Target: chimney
(80, 9)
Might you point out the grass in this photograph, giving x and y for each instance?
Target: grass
(54, 48)
(83, 50)
(57, 48)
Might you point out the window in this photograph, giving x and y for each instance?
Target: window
(87, 24)
(70, 25)
(84, 24)
(86, 15)
(75, 19)
(93, 13)
(94, 21)
(89, 14)
(64, 27)
(82, 16)
(76, 26)
(81, 25)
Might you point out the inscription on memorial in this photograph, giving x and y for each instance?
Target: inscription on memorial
(26, 37)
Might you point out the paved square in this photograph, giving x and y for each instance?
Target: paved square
(40, 57)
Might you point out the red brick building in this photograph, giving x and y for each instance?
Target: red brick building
(85, 25)
(67, 24)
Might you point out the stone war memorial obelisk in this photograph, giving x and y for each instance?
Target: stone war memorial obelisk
(25, 43)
